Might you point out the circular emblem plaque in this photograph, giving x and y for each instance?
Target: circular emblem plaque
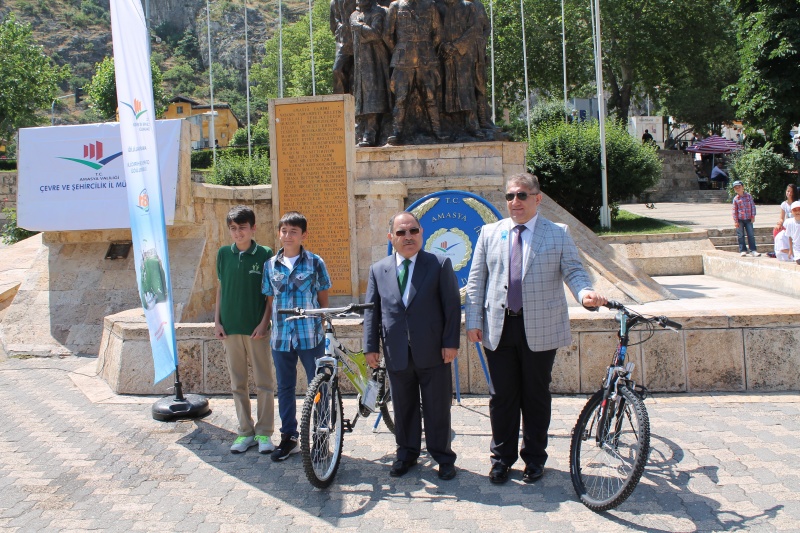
(451, 222)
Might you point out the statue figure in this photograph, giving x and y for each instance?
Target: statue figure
(412, 33)
(371, 77)
(458, 52)
(484, 34)
(340, 27)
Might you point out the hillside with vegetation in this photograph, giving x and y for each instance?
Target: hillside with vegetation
(77, 33)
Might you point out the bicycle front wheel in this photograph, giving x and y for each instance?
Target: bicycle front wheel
(609, 450)
(321, 431)
(385, 398)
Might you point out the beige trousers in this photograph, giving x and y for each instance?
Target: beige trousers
(239, 349)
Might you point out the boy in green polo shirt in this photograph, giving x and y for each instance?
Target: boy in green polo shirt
(241, 322)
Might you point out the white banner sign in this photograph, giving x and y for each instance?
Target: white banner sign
(73, 178)
(140, 157)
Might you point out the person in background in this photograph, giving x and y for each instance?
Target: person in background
(781, 242)
(786, 209)
(719, 175)
(793, 232)
(744, 215)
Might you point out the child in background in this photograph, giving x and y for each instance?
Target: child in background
(793, 232)
(782, 246)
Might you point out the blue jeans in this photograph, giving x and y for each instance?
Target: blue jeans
(746, 225)
(286, 373)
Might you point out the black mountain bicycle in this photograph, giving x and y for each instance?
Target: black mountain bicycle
(611, 440)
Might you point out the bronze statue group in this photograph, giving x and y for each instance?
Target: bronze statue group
(417, 69)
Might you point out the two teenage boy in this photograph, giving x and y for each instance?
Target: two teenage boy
(253, 283)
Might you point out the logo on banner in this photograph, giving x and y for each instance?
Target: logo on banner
(452, 221)
(93, 151)
(144, 201)
(136, 108)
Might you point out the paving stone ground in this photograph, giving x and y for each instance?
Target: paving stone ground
(73, 458)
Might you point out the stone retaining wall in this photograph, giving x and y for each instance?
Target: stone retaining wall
(740, 350)
(8, 191)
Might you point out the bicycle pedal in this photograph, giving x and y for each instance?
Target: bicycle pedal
(347, 425)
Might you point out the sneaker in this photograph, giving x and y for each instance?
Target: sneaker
(264, 444)
(287, 447)
(241, 444)
(743, 254)
(755, 254)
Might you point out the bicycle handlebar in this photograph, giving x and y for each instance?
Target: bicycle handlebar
(662, 321)
(325, 310)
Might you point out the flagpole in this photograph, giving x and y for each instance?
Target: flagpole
(247, 83)
(605, 215)
(564, 58)
(311, 40)
(525, 60)
(491, 40)
(212, 133)
(280, 49)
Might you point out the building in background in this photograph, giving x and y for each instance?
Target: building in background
(225, 121)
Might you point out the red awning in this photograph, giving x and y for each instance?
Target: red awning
(714, 145)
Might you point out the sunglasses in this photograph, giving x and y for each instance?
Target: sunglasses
(522, 195)
(402, 232)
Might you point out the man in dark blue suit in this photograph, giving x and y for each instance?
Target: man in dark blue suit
(417, 318)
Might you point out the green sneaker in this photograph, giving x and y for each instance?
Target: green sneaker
(241, 444)
(264, 444)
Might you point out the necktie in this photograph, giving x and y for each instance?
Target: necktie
(402, 279)
(515, 273)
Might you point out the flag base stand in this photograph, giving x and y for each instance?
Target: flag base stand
(180, 405)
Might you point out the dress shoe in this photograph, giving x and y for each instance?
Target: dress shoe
(400, 468)
(499, 473)
(447, 472)
(532, 473)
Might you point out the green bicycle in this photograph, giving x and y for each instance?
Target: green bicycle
(322, 423)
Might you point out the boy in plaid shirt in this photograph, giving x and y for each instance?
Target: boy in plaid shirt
(294, 278)
(744, 214)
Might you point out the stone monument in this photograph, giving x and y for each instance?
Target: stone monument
(422, 60)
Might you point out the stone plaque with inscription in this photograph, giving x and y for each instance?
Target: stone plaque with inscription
(312, 158)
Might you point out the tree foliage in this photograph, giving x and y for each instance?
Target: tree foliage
(297, 58)
(763, 173)
(765, 94)
(566, 159)
(102, 90)
(646, 44)
(28, 78)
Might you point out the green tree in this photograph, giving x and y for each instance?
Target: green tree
(297, 58)
(763, 172)
(645, 42)
(102, 90)
(693, 91)
(28, 78)
(565, 157)
(769, 37)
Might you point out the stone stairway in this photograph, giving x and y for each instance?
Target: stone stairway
(725, 239)
(678, 182)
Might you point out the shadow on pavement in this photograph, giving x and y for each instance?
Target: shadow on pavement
(666, 485)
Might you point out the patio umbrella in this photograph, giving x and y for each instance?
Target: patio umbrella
(714, 145)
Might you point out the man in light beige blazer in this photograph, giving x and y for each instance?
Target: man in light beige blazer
(516, 307)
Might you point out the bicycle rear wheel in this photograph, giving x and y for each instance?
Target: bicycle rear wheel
(608, 455)
(385, 398)
(321, 431)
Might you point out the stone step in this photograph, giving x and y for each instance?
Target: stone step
(727, 232)
(735, 248)
(732, 239)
